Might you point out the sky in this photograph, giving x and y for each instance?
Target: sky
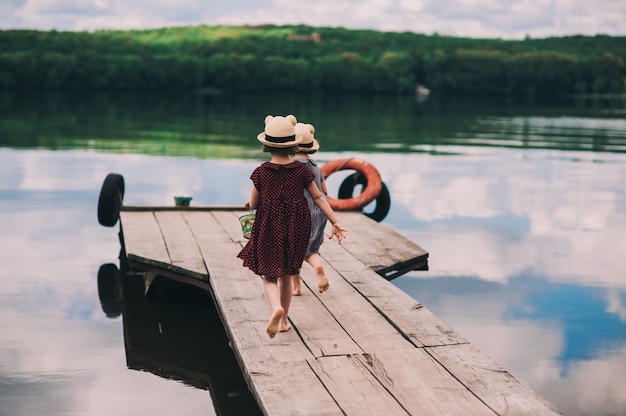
(506, 19)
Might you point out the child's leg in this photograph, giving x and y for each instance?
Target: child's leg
(285, 302)
(273, 294)
(322, 281)
(296, 285)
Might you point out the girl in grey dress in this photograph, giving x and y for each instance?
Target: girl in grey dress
(306, 147)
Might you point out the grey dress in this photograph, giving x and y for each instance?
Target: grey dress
(318, 219)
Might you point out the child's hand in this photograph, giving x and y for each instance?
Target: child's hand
(247, 204)
(338, 231)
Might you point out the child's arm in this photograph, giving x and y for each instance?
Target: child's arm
(324, 189)
(253, 202)
(322, 203)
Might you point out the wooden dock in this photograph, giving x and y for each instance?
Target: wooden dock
(363, 347)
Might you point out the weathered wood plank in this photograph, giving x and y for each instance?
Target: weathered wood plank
(229, 220)
(408, 315)
(181, 243)
(305, 396)
(405, 367)
(362, 347)
(220, 254)
(318, 328)
(275, 368)
(385, 250)
(143, 240)
(365, 325)
(194, 208)
(354, 387)
(421, 385)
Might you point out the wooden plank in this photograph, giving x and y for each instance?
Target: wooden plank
(354, 387)
(305, 396)
(220, 254)
(409, 317)
(421, 385)
(365, 327)
(318, 328)
(363, 347)
(195, 208)
(364, 324)
(275, 368)
(229, 220)
(143, 240)
(398, 371)
(181, 244)
(404, 368)
(386, 250)
(412, 320)
(491, 383)
(377, 254)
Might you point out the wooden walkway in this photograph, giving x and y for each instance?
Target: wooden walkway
(363, 347)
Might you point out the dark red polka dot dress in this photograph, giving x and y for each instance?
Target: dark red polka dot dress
(282, 226)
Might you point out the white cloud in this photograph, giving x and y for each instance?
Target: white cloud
(474, 18)
(478, 312)
(616, 304)
(83, 369)
(605, 395)
(553, 216)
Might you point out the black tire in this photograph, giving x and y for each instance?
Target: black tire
(383, 200)
(110, 200)
(109, 291)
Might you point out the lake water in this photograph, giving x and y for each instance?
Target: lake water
(521, 206)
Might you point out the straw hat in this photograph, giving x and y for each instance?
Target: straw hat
(280, 131)
(308, 143)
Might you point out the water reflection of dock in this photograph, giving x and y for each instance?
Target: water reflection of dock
(176, 334)
(363, 347)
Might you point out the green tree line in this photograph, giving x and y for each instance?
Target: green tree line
(287, 58)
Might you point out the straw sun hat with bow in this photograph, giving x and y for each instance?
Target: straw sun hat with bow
(280, 131)
(308, 144)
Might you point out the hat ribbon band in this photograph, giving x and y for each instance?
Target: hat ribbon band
(305, 144)
(279, 139)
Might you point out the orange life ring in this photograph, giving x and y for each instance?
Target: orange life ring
(371, 191)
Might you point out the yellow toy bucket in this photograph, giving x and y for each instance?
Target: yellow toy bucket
(246, 222)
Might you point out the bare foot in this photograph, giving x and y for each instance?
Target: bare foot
(322, 281)
(272, 326)
(295, 286)
(284, 326)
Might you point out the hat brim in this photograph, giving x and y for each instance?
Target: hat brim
(261, 138)
(315, 147)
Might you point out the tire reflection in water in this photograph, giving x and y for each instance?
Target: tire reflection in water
(175, 332)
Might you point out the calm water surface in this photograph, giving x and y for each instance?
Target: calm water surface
(522, 207)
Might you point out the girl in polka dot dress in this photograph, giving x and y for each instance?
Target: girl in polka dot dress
(281, 230)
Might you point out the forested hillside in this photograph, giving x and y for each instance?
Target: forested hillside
(303, 58)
